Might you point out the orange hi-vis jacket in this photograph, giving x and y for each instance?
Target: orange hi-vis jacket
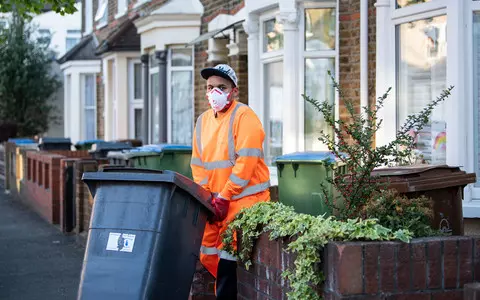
(227, 158)
(227, 155)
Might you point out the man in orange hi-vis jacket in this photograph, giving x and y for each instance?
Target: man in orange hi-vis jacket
(227, 160)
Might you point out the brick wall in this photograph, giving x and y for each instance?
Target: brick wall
(44, 181)
(203, 284)
(430, 268)
(349, 51)
(213, 8)
(83, 198)
(43, 184)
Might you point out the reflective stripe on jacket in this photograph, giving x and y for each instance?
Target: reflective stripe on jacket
(227, 154)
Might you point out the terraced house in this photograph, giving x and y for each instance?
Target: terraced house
(135, 74)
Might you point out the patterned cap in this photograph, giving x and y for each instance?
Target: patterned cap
(222, 70)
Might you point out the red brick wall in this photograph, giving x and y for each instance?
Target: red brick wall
(203, 285)
(430, 268)
(349, 40)
(71, 154)
(83, 198)
(41, 197)
(213, 8)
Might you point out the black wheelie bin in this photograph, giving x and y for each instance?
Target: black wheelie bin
(145, 234)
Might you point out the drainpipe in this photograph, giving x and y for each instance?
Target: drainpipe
(363, 54)
(145, 132)
(162, 95)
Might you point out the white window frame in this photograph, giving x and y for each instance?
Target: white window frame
(140, 3)
(151, 71)
(85, 107)
(114, 97)
(170, 69)
(88, 16)
(266, 58)
(122, 8)
(471, 204)
(133, 103)
(460, 147)
(101, 16)
(275, 56)
(316, 54)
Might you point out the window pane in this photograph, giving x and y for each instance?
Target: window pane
(320, 29)
(421, 78)
(102, 11)
(181, 57)
(273, 94)
(137, 81)
(137, 114)
(273, 36)
(318, 86)
(155, 113)
(71, 42)
(90, 124)
(403, 3)
(90, 90)
(182, 107)
(476, 92)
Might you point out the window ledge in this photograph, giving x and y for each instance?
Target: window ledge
(120, 14)
(471, 209)
(101, 25)
(140, 3)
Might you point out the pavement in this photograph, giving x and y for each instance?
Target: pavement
(37, 261)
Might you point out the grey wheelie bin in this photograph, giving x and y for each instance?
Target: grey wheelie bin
(145, 234)
(101, 150)
(51, 143)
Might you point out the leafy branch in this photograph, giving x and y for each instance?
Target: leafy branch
(352, 145)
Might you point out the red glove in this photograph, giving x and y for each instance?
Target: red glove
(220, 206)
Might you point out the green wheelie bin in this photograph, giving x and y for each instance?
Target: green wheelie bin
(300, 178)
(160, 157)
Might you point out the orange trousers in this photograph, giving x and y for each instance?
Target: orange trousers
(211, 251)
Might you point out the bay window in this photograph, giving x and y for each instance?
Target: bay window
(296, 46)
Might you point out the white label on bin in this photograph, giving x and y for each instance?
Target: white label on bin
(120, 242)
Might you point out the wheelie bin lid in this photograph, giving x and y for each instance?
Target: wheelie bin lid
(109, 146)
(20, 141)
(310, 157)
(128, 174)
(157, 149)
(54, 140)
(117, 155)
(85, 142)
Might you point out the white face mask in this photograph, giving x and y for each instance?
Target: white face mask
(218, 99)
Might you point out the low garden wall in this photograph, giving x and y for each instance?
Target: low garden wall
(428, 268)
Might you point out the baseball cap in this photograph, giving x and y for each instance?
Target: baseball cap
(222, 70)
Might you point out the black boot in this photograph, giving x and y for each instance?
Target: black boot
(226, 280)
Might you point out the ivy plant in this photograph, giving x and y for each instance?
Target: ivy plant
(308, 235)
